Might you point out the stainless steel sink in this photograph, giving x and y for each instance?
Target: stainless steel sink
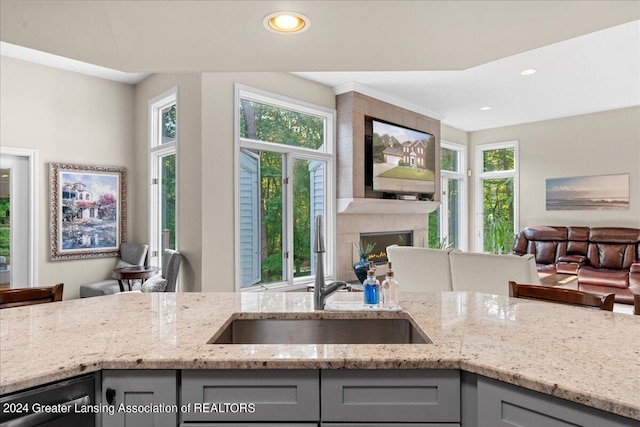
(320, 331)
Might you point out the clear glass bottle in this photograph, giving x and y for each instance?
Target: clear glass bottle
(390, 289)
(371, 288)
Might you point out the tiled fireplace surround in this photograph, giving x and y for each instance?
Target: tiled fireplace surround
(360, 210)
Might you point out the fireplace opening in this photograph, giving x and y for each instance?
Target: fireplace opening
(384, 239)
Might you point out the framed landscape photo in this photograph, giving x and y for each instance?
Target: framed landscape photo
(87, 211)
(597, 192)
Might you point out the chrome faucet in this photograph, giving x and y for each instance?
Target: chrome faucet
(320, 290)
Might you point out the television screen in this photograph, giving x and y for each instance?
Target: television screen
(404, 160)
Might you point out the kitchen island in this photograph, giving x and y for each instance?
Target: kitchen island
(580, 355)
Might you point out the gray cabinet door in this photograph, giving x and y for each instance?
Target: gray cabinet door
(142, 398)
(391, 396)
(501, 404)
(251, 395)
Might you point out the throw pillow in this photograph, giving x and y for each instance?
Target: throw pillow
(122, 264)
(155, 284)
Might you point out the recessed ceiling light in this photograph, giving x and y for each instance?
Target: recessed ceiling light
(286, 22)
(487, 108)
(528, 72)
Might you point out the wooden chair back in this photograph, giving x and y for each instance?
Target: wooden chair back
(565, 296)
(636, 304)
(28, 296)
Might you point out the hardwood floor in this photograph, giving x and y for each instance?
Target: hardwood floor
(571, 281)
(557, 279)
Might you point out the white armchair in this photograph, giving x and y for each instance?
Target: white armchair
(420, 269)
(491, 273)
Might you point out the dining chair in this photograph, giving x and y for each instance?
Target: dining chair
(27, 296)
(561, 295)
(167, 279)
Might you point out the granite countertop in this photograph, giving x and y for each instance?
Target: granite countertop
(586, 356)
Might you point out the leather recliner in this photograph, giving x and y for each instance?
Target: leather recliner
(611, 253)
(546, 243)
(605, 259)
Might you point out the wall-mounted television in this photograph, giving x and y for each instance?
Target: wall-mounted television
(399, 160)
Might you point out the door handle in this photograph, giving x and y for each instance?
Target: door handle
(111, 394)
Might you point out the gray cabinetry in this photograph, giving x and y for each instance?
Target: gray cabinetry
(501, 404)
(335, 398)
(140, 397)
(426, 396)
(251, 395)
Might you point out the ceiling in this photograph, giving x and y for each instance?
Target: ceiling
(448, 58)
(595, 72)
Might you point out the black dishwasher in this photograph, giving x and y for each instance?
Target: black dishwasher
(58, 404)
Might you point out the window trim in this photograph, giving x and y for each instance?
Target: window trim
(291, 152)
(481, 176)
(461, 175)
(158, 150)
(31, 156)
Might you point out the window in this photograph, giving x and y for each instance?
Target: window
(497, 196)
(285, 179)
(448, 223)
(163, 141)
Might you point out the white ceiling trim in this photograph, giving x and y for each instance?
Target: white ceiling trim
(43, 58)
(383, 96)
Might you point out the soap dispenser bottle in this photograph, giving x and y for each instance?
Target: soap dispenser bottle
(371, 288)
(390, 290)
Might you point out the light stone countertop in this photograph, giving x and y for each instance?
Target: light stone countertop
(586, 356)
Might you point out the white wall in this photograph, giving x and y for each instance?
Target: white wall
(67, 117)
(450, 134)
(592, 144)
(79, 119)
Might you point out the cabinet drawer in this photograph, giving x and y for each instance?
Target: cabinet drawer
(390, 425)
(391, 396)
(501, 404)
(250, 395)
(252, 425)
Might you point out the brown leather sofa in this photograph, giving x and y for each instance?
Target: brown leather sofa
(605, 259)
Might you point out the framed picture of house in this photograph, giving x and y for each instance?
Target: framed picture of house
(87, 211)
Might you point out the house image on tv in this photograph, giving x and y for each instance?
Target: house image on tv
(411, 153)
(77, 203)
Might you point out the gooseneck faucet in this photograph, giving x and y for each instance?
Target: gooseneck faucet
(320, 290)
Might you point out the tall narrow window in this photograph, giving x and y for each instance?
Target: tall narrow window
(163, 140)
(448, 223)
(497, 196)
(285, 167)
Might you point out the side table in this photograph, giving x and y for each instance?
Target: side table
(138, 272)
